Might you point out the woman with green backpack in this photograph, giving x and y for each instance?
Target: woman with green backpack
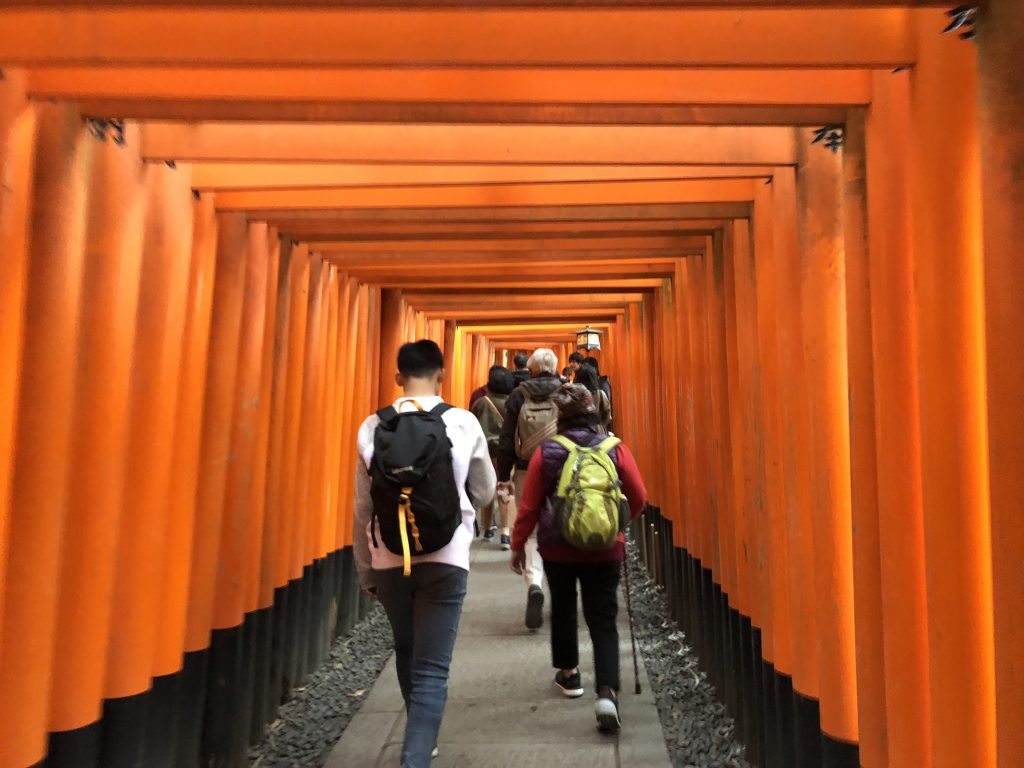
(581, 490)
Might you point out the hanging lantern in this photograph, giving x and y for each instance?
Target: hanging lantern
(588, 339)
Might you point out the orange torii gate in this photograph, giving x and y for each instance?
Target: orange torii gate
(813, 352)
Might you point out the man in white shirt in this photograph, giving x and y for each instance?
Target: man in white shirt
(423, 607)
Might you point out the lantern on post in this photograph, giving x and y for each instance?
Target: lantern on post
(588, 339)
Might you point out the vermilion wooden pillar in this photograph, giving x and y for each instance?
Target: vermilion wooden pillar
(448, 349)
(272, 576)
(797, 461)
(720, 437)
(187, 437)
(226, 319)
(373, 347)
(947, 228)
(333, 406)
(702, 426)
(748, 426)
(352, 415)
(683, 393)
(141, 550)
(44, 428)
(897, 424)
(823, 304)
(17, 153)
(752, 548)
(771, 578)
(259, 633)
(733, 478)
(183, 677)
(241, 505)
(867, 568)
(671, 404)
(391, 324)
(300, 285)
(1001, 83)
(309, 421)
(110, 290)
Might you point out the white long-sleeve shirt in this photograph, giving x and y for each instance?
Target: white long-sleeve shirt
(474, 477)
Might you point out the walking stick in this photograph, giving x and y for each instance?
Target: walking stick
(632, 631)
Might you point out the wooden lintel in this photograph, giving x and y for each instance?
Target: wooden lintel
(467, 36)
(480, 144)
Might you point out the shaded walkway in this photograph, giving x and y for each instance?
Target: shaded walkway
(502, 709)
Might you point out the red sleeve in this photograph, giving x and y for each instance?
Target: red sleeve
(529, 506)
(632, 483)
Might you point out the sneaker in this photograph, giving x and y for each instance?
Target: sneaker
(506, 543)
(607, 710)
(534, 607)
(489, 533)
(569, 685)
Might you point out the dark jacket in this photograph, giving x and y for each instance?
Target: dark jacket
(541, 487)
(540, 388)
(604, 409)
(476, 394)
(520, 375)
(604, 385)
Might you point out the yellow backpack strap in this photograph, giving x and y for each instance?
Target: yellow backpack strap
(566, 443)
(608, 444)
(405, 510)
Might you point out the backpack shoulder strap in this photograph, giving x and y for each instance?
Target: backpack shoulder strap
(491, 403)
(566, 443)
(441, 408)
(387, 414)
(609, 443)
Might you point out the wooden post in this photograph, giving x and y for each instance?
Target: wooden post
(823, 303)
(391, 324)
(947, 231)
(110, 290)
(17, 154)
(1000, 30)
(867, 567)
(225, 327)
(797, 461)
(897, 423)
(39, 481)
(187, 437)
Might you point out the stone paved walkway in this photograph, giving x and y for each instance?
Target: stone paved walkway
(503, 711)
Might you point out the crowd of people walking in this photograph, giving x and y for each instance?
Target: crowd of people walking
(533, 458)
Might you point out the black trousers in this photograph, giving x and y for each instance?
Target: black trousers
(599, 588)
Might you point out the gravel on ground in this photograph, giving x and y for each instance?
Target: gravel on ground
(698, 730)
(312, 721)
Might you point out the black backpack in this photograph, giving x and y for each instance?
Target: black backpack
(416, 503)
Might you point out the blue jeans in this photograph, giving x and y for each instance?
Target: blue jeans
(424, 610)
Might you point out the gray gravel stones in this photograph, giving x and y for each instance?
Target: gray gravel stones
(698, 730)
(312, 721)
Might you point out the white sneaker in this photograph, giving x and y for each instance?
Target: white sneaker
(607, 710)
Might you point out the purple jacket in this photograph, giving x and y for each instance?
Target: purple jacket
(540, 489)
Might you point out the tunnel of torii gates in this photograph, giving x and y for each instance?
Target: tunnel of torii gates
(219, 222)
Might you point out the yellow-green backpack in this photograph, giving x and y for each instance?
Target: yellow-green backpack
(589, 502)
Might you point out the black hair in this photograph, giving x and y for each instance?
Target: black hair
(500, 381)
(420, 359)
(520, 360)
(579, 421)
(576, 357)
(587, 376)
(591, 361)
